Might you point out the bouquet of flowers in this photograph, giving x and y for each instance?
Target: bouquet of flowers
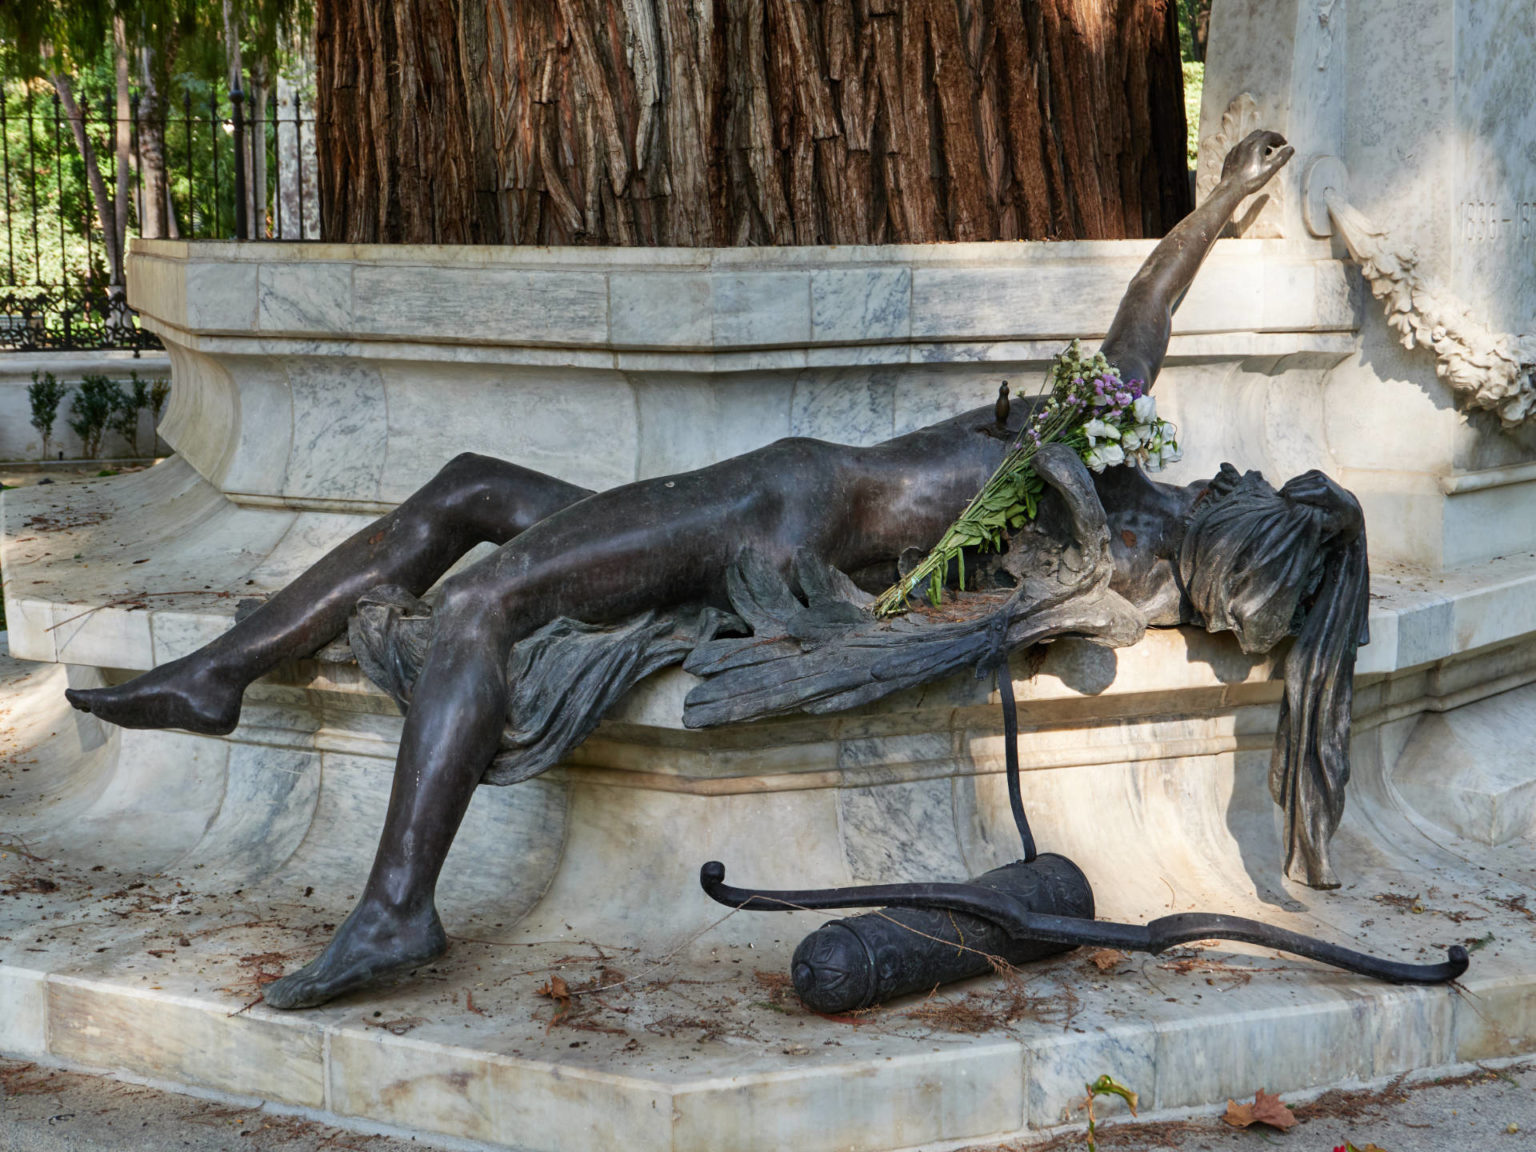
(1107, 420)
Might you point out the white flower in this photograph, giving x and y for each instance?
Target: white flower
(1152, 462)
(1095, 460)
(1145, 409)
(1133, 438)
(1171, 453)
(1112, 454)
(1097, 430)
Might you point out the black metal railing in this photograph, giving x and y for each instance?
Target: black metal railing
(228, 172)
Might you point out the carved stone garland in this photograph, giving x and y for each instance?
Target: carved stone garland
(1486, 369)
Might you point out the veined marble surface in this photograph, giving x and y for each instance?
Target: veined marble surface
(164, 876)
(339, 378)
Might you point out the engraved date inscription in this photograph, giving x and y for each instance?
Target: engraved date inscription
(1492, 221)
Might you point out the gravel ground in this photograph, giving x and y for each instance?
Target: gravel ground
(46, 1110)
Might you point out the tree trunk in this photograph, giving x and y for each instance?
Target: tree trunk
(719, 122)
(256, 133)
(1200, 33)
(98, 186)
(153, 223)
(234, 73)
(298, 197)
(232, 65)
(122, 141)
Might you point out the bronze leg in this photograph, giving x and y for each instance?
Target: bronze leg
(472, 499)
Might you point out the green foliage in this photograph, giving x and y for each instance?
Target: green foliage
(48, 178)
(1194, 18)
(49, 184)
(1105, 1085)
(91, 412)
(1194, 85)
(159, 393)
(183, 40)
(45, 393)
(39, 36)
(1193, 15)
(131, 400)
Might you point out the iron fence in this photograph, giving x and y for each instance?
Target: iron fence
(228, 172)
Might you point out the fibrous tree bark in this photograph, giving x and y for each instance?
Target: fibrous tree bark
(122, 133)
(729, 122)
(157, 217)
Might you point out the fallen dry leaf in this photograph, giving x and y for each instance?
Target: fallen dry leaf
(1265, 1109)
(1106, 958)
(560, 993)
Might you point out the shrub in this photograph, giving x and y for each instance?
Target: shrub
(45, 394)
(97, 399)
(159, 392)
(125, 416)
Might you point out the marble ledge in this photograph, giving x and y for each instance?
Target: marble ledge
(692, 259)
(714, 300)
(18, 367)
(1327, 347)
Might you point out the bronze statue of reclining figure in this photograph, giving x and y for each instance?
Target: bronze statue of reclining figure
(603, 557)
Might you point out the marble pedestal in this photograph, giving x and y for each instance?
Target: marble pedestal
(153, 878)
(161, 876)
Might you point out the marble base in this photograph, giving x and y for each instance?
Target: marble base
(161, 876)
(149, 880)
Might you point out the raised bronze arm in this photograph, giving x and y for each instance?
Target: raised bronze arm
(1138, 335)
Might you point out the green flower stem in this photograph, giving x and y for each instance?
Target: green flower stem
(1007, 499)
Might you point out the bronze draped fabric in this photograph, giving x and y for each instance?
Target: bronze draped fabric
(1264, 565)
